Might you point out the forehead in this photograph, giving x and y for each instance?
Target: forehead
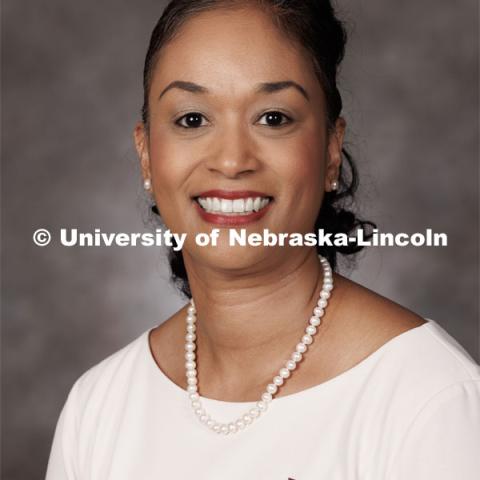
(230, 50)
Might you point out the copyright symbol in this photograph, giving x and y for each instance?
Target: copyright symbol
(41, 237)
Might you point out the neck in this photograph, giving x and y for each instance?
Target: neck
(248, 326)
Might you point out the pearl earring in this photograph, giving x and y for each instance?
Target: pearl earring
(334, 185)
(147, 184)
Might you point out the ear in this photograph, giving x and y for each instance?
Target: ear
(335, 144)
(141, 144)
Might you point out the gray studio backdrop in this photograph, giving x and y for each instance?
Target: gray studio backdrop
(71, 78)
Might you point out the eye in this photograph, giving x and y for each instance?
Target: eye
(275, 119)
(190, 120)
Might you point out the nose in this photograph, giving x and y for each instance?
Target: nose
(234, 152)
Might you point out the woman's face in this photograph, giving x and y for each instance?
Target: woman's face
(236, 113)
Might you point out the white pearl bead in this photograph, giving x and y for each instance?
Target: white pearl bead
(190, 347)
(191, 373)
(191, 328)
(311, 330)
(261, 405)
(199, 412)
(301, 347)
(192, 388)
(247, 419)
(190, 337)
(254, 412)
(194, 396)
(328, 287)
(192, 381)
(278, 381)
(284, 372)
(240, 424)
(291, 365)
(204, 418)
(272, 388)
(296, 356)
(324, 294)
(232, 427)
(196, 404)
(322, 303)
(189, 356)
(325, 306)
(191, 319)
(216, 428)
(307, 339)
(210, 423)
(190, 365)
(190, 310)
(315, 321)
(224, 429)
(318, 311)
(267, 397)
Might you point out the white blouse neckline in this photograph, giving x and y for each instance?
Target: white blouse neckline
(293, 396)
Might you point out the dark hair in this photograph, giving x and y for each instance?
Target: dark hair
(312, 24)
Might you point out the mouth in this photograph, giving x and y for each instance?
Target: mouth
(232, 207)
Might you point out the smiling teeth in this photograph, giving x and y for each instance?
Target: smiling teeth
(238, 206)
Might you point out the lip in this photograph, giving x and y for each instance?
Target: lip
(231, 194)
(231, 220)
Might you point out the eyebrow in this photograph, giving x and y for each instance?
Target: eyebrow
(271, 87)
(182, 85)
(265, 87)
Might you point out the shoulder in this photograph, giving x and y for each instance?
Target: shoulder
(429, 358)
(419, 388)
(93, 405)
(373, 311)
(424, 373)
(413, 356)
(438, 401)
(110, 375)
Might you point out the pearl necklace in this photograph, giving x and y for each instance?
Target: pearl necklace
(278, 380)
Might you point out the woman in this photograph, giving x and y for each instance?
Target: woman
(278, 367)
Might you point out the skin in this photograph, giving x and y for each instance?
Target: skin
(252, 303)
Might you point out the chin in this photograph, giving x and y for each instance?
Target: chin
(224, 257)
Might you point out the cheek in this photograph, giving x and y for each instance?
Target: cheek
(170, 165)
(309, 164)
(301, 166)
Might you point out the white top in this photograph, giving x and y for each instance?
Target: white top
(409, 411)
